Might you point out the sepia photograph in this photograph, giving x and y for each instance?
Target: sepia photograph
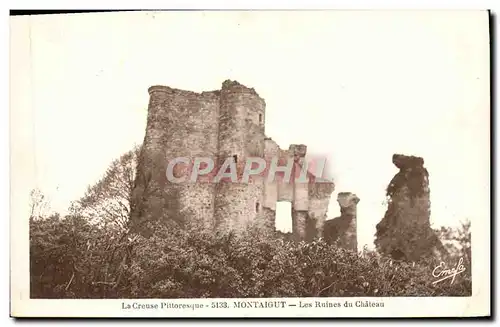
(250, 164)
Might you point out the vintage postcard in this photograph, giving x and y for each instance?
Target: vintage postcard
(250, 164)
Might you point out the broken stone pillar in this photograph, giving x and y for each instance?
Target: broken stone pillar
(299, 219)
(405, 233)
(319, 195)
(342, 230)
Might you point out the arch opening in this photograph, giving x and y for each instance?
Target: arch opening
(284, 216)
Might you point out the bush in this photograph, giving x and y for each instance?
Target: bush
(70, 258)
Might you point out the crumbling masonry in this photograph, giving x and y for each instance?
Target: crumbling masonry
(219, 124)
(342, 230)
(405, 232)
(230, 123)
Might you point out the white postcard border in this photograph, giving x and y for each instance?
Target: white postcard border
(23, 174)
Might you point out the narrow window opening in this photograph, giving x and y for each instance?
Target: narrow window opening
(260, 118)
(257, 206)
(235, 158)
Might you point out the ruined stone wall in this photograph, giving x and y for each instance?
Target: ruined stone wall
(319, 195)
(343, 230)
(180, 124)
(241, 135)
(309, 200)
(405, 233)
(229, 123)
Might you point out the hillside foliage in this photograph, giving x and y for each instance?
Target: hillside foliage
(71, 258)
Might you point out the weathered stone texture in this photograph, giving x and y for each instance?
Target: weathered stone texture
(299, 221)
(241, 135)
(240, 132)
(405, 233)
(180, 124)
(238, 205)
(309, 199)
(342, 230)
(229, 123)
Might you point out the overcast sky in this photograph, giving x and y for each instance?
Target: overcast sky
(354, 86)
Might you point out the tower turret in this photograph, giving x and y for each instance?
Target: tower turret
(241, 136)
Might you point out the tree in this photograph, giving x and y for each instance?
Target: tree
(457, 241)
(39, 205)
(107, 203)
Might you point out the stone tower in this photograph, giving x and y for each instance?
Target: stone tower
(224, 125)
(179, 124)
(241, 135)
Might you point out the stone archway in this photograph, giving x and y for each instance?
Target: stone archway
(283, 221)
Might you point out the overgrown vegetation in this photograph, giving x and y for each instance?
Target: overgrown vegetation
(70, 258)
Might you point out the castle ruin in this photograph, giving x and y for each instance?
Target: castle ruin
(342, 230)
(221, 124)
(230, 123)
(405, 232)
